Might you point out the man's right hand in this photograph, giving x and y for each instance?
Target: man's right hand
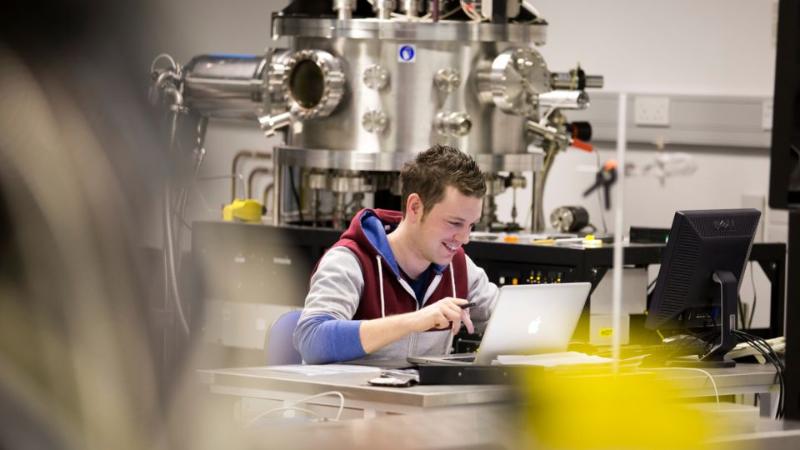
(439, 315)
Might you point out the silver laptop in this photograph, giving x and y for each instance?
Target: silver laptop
(527, 320)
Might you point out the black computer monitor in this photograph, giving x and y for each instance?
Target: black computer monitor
(697, 287)
(784, 179)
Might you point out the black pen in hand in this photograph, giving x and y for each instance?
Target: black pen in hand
(467, 305)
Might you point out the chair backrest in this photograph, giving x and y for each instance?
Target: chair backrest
(279, 348)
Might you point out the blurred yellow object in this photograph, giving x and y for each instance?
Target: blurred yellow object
(590, 241)
(511, 239)
(607, 411)
(243, 210)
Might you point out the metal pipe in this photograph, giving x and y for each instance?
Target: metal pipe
(265, 196)
(277, 179)
(344, 8)
(410, 7)
(234, 166)
(564, 99)
(537, 211)
(548, 133)
(169, 245)
(384, 8)
(270, 124)
(594, 81)
(252, 176)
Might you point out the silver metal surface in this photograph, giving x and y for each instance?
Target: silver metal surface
(410, 7)
(564, 99)
(351, 182)
(452, 124)
(383, 8)
(271, 124)
(226, 86)
(410, 103)
(594, 81)
(344, 8)
(375, 121)
(576, 79)
(442, 31)
(376, 77)
(368, 94)
(309, 82)
(447, 80)
(318, 180)
(517, 77)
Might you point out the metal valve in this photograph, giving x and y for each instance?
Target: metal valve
(454, 124)
(447, 80)
(376, 77)
(375, 121)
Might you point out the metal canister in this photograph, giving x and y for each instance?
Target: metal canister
(569, 219)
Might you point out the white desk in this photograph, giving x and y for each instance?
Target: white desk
(255, 387)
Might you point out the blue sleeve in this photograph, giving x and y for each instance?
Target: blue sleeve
(323, 339)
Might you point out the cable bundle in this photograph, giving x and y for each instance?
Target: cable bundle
(769, 354)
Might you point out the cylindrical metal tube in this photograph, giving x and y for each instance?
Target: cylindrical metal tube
(384, 9)
(270, 124)
(575, 79)
(410, 7)
(344, 9)
(569, 219)
(229, 86)
(594, 81)
(564, 99)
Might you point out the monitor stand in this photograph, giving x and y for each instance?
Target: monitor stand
(728, 299)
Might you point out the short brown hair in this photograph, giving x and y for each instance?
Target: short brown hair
(436, 168)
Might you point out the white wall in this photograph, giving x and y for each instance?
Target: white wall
(676, 46)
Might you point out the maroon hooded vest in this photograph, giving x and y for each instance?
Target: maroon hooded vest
(396, 299)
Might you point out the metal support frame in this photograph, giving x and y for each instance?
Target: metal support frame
(792, 375)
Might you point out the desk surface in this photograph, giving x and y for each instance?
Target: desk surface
(265, 382)
(354, 386)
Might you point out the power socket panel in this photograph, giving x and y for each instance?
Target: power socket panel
(652, 111)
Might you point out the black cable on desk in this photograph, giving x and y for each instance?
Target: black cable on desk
(766, 350)
(780, 365)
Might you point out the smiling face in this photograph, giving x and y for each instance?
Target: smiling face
(438, 233)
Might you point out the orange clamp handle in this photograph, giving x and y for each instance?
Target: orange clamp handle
(582, 145)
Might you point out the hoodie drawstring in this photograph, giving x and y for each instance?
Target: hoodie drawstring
(453, 280)
(380, 285)
(448, 344)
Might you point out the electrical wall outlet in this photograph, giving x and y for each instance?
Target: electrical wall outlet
(651, 111)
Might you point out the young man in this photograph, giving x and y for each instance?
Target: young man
(394, 285)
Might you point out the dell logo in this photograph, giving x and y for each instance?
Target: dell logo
(533, 327)
(724, 225)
